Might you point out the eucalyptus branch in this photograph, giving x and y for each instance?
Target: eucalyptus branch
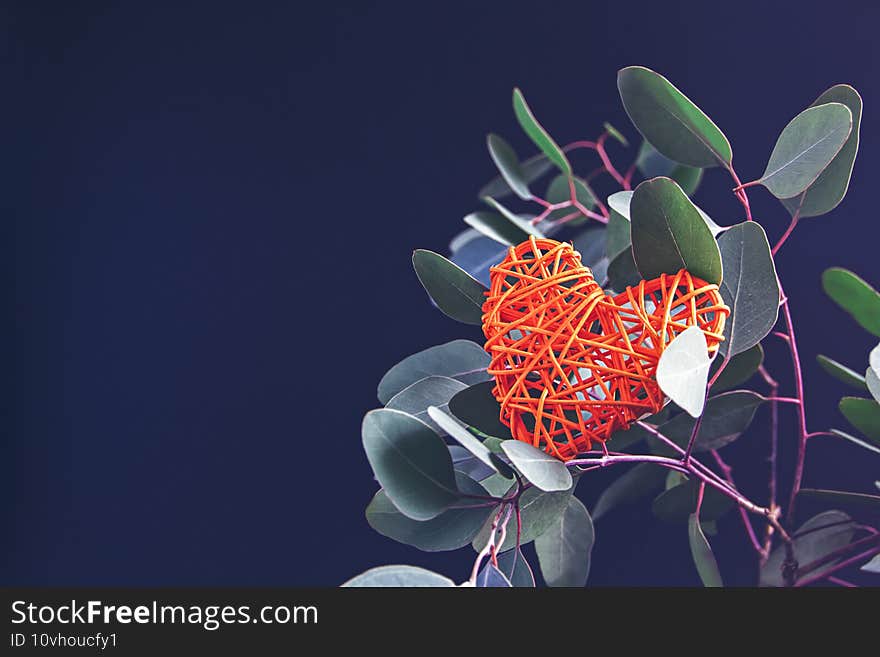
(772, 457)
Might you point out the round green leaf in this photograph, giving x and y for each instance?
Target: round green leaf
(701, 551)
(668, 119)
(669, 234)
(544, 471)
(564, 549)
(622, 271)
(532, 169)
(806, 146)
(750, 287)
(635, 484)
(855, 296)
(618, 236)
(477, 407)
(452, 529)
(411, 463)
(679, 502)
(469, 442)
(538, 510)
(462, 360)
(653, 164)
(683, 370)
(863, 414)
(619, 202)
(828, 190)
(725, 418)
(537, 133)
(817, 537)
(516, 569)
(456, 293)
(397, 576)
(559, 191)
(508, 164)
(738, 370)
(491, 577)
(842, 372)
(499, 227)
(523, 224)
(430, 391)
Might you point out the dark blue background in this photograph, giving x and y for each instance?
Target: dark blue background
(211, 212)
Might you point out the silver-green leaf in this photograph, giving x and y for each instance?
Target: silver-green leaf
(544, 471)
(750, 287)
(564, 549)
(806, 146)
(411, 463)
(683, 370)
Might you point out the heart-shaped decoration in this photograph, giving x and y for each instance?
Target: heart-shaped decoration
(572, 365)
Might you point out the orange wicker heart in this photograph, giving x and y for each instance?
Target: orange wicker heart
(572, 364)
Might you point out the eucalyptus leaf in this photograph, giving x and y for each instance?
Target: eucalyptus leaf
(476, 254)
(864, 415)
(620, 202)
(542, 470)
(872, 375)
(559, 191)
(857, 441)
(683, 370)
(618, 235)
(517, 221)
(463, 360)
(701, 551)
(411, 463)
(669, 233)
(430, 391)
(652, 164)
(817, 537)
(399, 576)
(532, 169)
(456, 293)
(842, 373)
(855, 296)
(615, 134)
(491, 577)
(564, 549)
(625, 438)
(498, 227)
(622, 271)
(828, 190)
(873, 566)
(465, 462)
(633, 485)
(452, 529)
(670, 121)
(537, 133)
(469, 442)
(538, 511)
(679, 502)
(590, 243)
(725, 418)
(477, 407)
(507, 162)
(843, 498)
(738, 370)
(805, 147)
(517, 570)
(750, 287)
